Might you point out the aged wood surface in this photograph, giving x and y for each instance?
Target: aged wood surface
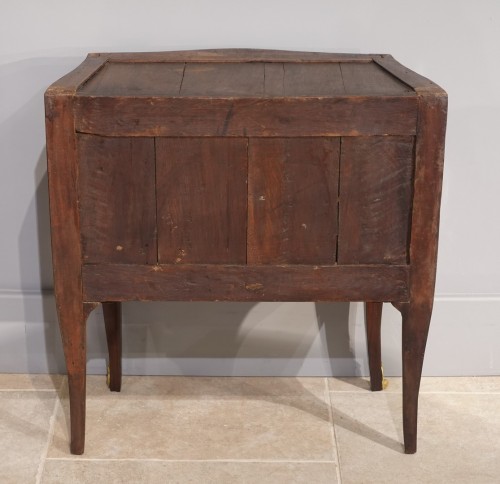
(113, 325)
(387, 182)
(118, 79)
(66, 254)
(375, 199)
(373, 316)
(371, 79)
(418, 83)
(202, 200)
(234, 55)
(117, 199)
(202, 282)
(293, 117)
(429, 158)
(293, 195)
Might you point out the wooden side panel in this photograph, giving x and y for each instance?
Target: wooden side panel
(117, 199)
(202, 200)
(375, 199)
(293, 190)
(209, 282)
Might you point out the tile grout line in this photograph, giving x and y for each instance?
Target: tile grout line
(363, 392)
(46, 390)
(50, 434)
(335, 447)
(221, 461)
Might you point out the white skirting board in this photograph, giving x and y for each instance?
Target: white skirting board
(242, 339)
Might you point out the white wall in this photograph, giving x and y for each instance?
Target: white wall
(455, 43)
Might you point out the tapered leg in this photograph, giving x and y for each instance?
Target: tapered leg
(416, 320)
(113, 324)
(373, 317)
(72, 324)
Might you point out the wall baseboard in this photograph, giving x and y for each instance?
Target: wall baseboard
(242, 339)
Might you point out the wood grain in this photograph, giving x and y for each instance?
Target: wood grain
(369, 79)
(142, 79)
(293, 194)
(62, 173)
(236, 55)
(117, 199)
(375, 199)
(202, 200)
(291, 117)
(217, 282)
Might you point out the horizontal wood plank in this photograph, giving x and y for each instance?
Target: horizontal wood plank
(236, 55)
(300, 116)
(198, 282)
(144, 79)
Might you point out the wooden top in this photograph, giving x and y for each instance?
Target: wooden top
(238, 92)
(243, 80)
(94, 75)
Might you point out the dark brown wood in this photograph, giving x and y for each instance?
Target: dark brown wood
(429, 159)
(66, 253)
(117, 199)
(209, 282)
(313, 79)
(371, 79)
(202, 200)
(276, 118)
(119, 79)
(373, 315)
(291, 117)
(375, 199)
(113, 324)
(292, 196)
(223, 80)
(235, 55)
(418, 83)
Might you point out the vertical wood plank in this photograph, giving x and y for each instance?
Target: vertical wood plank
(202, 200)
(293, 190)
(117, 199)
(375, 199)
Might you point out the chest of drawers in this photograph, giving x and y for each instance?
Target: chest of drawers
(243, 175)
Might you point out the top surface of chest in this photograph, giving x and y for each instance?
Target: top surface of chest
(247, 93)
(240, 79)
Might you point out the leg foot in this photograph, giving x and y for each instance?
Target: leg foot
(113, 324)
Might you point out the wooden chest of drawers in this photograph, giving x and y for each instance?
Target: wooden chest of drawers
(242, 175)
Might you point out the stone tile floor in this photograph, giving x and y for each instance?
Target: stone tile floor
(249, 430)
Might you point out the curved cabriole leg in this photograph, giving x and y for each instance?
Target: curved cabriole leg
(373, 318)
(113, 324)
(416, 320)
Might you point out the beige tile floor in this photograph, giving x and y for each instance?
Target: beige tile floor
(249, 430)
